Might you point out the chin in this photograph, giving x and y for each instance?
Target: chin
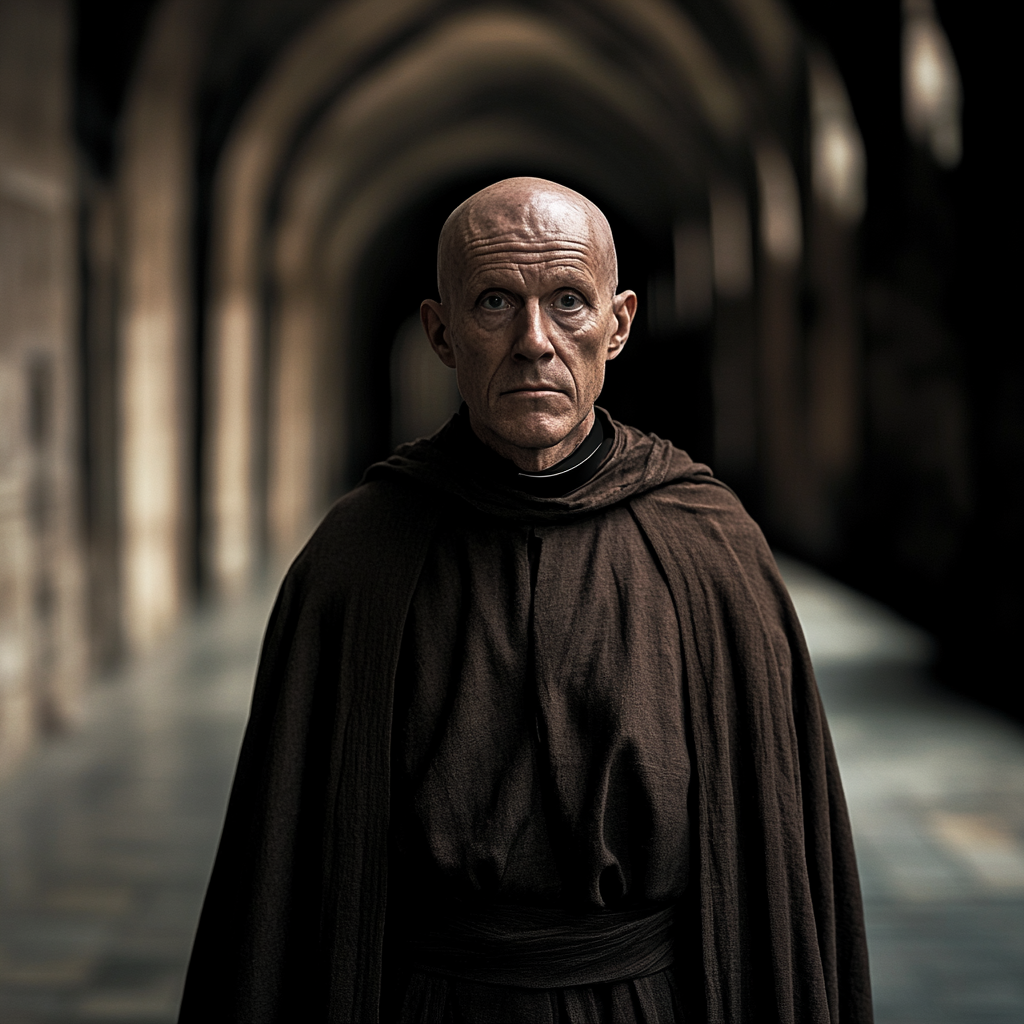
(537, 430)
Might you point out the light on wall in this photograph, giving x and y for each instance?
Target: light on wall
(932, 93)
(838, 164)
(779, 194)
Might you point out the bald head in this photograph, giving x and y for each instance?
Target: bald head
(528, 315)
(522, 215)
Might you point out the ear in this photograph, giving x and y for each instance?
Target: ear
(432, 316)
(623, 309)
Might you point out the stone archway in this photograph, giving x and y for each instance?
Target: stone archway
(419, 117)
(374, 107)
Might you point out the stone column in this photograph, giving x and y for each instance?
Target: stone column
(42, 640)
(157, 373)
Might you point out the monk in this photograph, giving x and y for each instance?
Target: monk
(535, 735)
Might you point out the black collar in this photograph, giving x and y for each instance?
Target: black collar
(558, 480)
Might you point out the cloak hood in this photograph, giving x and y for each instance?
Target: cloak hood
(456, 463)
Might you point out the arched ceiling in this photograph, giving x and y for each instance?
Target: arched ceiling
(483, 66)
(366, 72)
(375, 107)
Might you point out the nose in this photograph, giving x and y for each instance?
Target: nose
(532, 343)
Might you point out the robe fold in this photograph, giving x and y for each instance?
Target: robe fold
(293, 927)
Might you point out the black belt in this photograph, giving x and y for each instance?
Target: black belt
(541, 947)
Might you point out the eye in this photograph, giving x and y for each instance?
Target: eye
(568, 301)
(494, 300)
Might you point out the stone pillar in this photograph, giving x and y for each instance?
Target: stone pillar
(834, 354)
(42, 640)
(780, 349)
(157, 373)
(292, 484)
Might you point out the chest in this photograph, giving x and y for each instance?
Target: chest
(574, 619)
(540, 711)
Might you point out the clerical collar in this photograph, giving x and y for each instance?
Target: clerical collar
(556, 481)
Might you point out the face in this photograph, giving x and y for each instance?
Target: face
(529, 321)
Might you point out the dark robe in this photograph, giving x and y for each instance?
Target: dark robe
(294, 922)
(540, 752)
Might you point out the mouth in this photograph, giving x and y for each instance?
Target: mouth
(534, 389)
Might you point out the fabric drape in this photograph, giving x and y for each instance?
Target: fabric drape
(293, 924)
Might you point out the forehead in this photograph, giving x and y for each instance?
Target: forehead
(538, 238)
(537, 218)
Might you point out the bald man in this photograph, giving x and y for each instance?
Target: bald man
(535, 736)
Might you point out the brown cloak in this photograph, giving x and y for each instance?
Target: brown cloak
(293, 924)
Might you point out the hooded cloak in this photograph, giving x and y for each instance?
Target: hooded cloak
(293, 923)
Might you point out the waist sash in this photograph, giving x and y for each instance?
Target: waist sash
(541, 947)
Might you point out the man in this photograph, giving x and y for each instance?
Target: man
(534, 735)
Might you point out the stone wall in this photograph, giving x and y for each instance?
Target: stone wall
(42, 640)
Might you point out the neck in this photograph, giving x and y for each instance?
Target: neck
(536, 460)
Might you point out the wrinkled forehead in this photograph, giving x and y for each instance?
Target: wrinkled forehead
(514, 232)
(542, 221)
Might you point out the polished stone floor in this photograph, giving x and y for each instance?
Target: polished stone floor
(935, 787)
(107, 834)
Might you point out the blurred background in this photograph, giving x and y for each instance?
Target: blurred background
(217, 221)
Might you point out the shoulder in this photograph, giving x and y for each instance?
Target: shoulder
(698, 517)
(368, 535)
(683, 500)
(712, 550)
(690, 496)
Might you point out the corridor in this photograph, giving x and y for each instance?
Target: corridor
(107, 834)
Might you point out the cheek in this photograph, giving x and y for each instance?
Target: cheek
(475, 367)
(595, 376)
(587, 353)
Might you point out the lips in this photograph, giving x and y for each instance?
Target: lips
(534, 389)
